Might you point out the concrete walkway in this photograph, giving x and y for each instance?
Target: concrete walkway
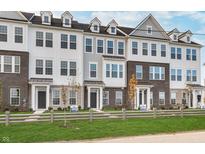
(186, 137)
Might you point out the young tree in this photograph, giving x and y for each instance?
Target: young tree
(1, 96)
(64, 98)
(132, 89)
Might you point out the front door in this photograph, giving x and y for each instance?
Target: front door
(93, 99)
(41, 99)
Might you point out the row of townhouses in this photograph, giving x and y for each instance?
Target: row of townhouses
(40, 54)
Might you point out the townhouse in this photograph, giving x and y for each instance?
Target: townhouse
(42, 57)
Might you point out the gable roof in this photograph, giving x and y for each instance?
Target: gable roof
(95, 19)
(67, 13)
(28, 15)
(175, 30)
(162, 31)
(13, 15)
(183, 34)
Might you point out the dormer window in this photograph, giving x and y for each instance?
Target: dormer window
(188, 39)
(149, 30)
(175, 37)
(95, 27)
(67, 22)
(113, 29)
(46, 19)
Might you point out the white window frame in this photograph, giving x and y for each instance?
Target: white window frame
(91, 44)
(120, 41)
(148, 30)
(76, 96)
(69, 68)
(141, 67)
(114, 71)
(108, 70)
(107, 47)
(154, 72)
(117, 97)
(120, 71)
(145, 48)
(106, 98)
(19, 65)
(39, 67)
(90, 63)
(48, 67)
(56, 97)
(135, 48)
(162, 93)
(102, 46)
(19, 97)
(5, 33)
(12, 70)
(70, 41)
(18, 34)
(64, 41)
(173, 98)
(151, 97)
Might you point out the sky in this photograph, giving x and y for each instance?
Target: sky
(169, 20)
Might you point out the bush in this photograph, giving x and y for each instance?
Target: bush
(68, 108)
(162, 107)
(59, 109)
(16, 109)
(115, 107)
(6, 109)
(50, 108)
(30, 110)
(79, 107)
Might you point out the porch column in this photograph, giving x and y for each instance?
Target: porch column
(33, 102)
(148, 98)
(189, 99)
(88, 97)
(47, 96)
(138, 98)
(101, 98)
(202, 97)
(143, 97)
(82, 97)
(194, 99)
(98, 101)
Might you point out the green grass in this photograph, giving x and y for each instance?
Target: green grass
(79, 130)
(19, 112)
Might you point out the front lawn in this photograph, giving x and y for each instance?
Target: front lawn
(79, 130)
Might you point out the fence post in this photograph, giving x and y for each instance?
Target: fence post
(52, 116)
(123, 114)
(7, 115)
(154, 112)
(181, 112)
(91, 115)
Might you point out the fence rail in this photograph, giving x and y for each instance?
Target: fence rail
(8, 118)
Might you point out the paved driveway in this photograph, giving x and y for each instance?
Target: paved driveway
(187, 137)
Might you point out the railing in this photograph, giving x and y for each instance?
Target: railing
(8, 118)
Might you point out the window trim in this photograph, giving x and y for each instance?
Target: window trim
(112, 48)
(135, 48)
(5, 33)
(120, 41)
(163, 50)
(108, 97)
(148, 30)
(63, 41)
(10, 91)
(146, 48)
(18, 34)
(96, 70)
(73, 42)
(46, 60)
(102, 46)
(118, 98)
(92, 47)
(138, 72)
(76, 97)
(151, 45)
(39, 67)
(56, 97)
(39, 39)
(164, 97)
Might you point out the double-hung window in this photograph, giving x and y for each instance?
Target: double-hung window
(120, 71)
(134, 48)
(14, 96)
(188, 75)
(17, 64)
(39, 39)
(49, 39)
(88, 45)
(110, 47)
(120, 48)
(49, 67)
(73, 97)
(173, 97)
(113, 30)
(139, 72)
(73, 68)
(39, 66)
(7, 64)
(105, 97)
(118, 97)
(18, 35)
(64, 68)
(99, 46)
(114, 70)
(173, 74)
(3, 33)
(46, 19)
(153, 49)
(194, 54)
(179, 53)
(161, 97)
(173, 53)
(93, 70)
(144, 49)
(73, 41)
(56, 96)
(64, 41)
(107, 70)
(156, 73)
(194, 76)
(179, 75)
(67, 22)
(188, 54)
(163, 50)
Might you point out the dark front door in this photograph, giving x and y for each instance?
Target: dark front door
(41, 100)
(93, 99)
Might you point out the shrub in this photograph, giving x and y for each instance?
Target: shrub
(59, 109)
(6, 109)
(79, 107)
(68, 108)
(30, 110)
(16, 109)
(50, 108)
(162, 107)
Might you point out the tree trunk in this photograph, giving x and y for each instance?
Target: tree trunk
(64, 117)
